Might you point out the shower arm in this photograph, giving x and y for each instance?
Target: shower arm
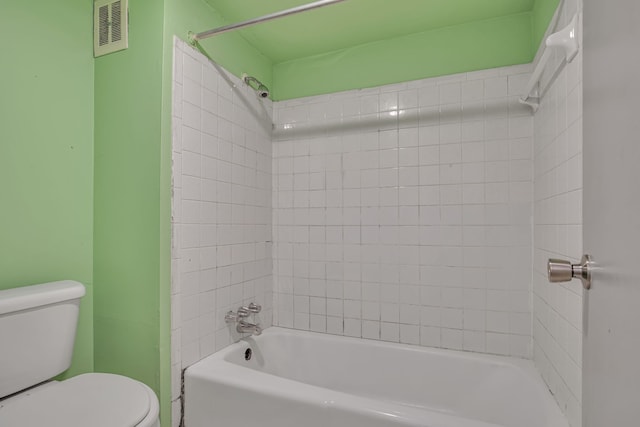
(195, 37)
(248, 80)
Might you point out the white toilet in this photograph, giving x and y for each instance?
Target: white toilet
(37, 332)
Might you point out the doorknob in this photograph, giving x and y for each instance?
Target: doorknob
(560, 271)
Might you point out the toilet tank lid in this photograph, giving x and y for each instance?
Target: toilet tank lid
(28, 297)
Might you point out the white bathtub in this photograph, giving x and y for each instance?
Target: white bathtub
(315, 380)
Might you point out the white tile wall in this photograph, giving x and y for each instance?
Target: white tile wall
(221, 219)
(403, 213)
(557, 310)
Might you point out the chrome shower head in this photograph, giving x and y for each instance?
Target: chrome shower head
(257, 85)
(263, 91)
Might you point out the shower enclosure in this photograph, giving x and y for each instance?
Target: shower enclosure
(388, 213)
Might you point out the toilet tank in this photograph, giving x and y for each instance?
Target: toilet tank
(37, 332)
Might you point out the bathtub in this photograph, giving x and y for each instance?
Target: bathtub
(294, 378)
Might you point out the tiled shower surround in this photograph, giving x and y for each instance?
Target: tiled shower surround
(221, 218)
(557, 328)
(403, 213)
(409, 213)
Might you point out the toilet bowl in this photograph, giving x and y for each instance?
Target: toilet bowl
(37, 332)
(96, 400)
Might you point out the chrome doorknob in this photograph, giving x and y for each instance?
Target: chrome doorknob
(560, 270)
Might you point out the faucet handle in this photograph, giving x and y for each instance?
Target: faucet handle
(244, 327)
(243, 312)
(231, 317)
(251, 308)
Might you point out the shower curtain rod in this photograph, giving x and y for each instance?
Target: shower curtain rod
(194, 37)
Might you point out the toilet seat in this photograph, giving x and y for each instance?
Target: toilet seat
(97, 400)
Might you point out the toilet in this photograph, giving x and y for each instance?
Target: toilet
(37, 333)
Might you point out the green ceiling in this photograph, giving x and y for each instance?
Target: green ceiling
(497, 32)
(354, 22)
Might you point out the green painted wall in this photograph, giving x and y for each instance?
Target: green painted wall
(46, 151)
(354, 22)
(468, 47)
(128, 98)
(132, 187)
(479, 44)
(229, 50)
(542, 13)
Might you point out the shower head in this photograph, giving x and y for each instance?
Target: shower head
(255, 84)
(263, 91)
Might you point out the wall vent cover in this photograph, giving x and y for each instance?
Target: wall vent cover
(110, 26)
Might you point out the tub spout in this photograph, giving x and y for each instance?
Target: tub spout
(244, 326)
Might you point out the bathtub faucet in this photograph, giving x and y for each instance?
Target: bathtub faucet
(239, 317)
(244, 326)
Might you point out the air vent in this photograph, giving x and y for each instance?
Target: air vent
(110, 26)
